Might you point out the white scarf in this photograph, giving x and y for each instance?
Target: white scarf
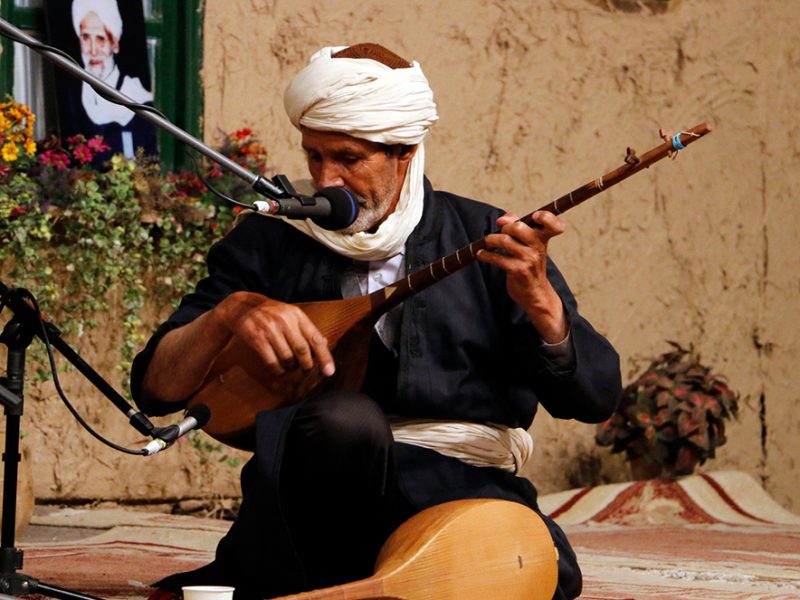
(477, 444)
(367, 100)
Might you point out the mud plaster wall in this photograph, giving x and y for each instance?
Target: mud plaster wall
(535, 99)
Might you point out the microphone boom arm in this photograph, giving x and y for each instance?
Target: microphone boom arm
(27, 315)
(259, 184)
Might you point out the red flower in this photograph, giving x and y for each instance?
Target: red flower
(55, 158)
(82, 154)
(241, 134)
(97, 144)
(186, 184)
(18, 211)
(254, 148)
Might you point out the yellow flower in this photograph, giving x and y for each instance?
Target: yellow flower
(30, 147)
(10, 152)
(122, 164)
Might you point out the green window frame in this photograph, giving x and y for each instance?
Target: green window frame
(174, 31)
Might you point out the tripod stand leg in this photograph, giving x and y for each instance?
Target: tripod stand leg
(53, 591)
(20, 584)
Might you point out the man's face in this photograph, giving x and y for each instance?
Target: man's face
(98, 46)
(373, 171)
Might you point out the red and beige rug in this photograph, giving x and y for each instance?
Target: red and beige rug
(131, 550)
(716, 536)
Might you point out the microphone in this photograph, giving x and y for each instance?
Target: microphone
(331, 207)
(196, 418)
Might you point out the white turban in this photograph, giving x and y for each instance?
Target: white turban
(107, 10)
(361, 97)
(367, 100)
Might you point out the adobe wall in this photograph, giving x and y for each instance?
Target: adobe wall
(535, 99)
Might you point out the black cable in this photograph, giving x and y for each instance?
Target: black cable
(60, 391)
(212, 189)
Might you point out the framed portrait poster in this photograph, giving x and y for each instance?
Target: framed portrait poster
(107, 38)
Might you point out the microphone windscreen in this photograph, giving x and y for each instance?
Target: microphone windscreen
(200, 413)
(344, 208)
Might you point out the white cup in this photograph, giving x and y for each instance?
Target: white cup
(207, 592)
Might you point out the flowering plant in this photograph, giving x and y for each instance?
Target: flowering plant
(672, 415)
(73, 234)
(16, 134)
(242, 147)
(78, 151)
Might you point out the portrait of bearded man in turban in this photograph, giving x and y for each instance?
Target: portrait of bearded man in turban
(108, 39)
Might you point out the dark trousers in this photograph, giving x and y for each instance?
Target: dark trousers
(339, 489)
(319, 498)
(317, 514)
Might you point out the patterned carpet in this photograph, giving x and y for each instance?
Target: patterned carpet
(132, 550)
(713, 536)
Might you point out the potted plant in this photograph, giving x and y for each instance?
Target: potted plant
(672, 417)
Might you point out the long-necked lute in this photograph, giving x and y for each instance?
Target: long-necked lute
(465, 549)
(238, 387)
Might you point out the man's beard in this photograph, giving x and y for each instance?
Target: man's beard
(368, 217)
(372, 211)
(100, 71)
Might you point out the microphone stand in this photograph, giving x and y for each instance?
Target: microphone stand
(17, 335)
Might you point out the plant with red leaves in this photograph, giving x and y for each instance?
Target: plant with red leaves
(672, 415)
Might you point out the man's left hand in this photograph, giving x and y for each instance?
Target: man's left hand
(524, 259)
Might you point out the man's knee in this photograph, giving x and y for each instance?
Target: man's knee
(341, 429)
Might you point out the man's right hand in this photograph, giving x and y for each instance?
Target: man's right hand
(282, 334)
